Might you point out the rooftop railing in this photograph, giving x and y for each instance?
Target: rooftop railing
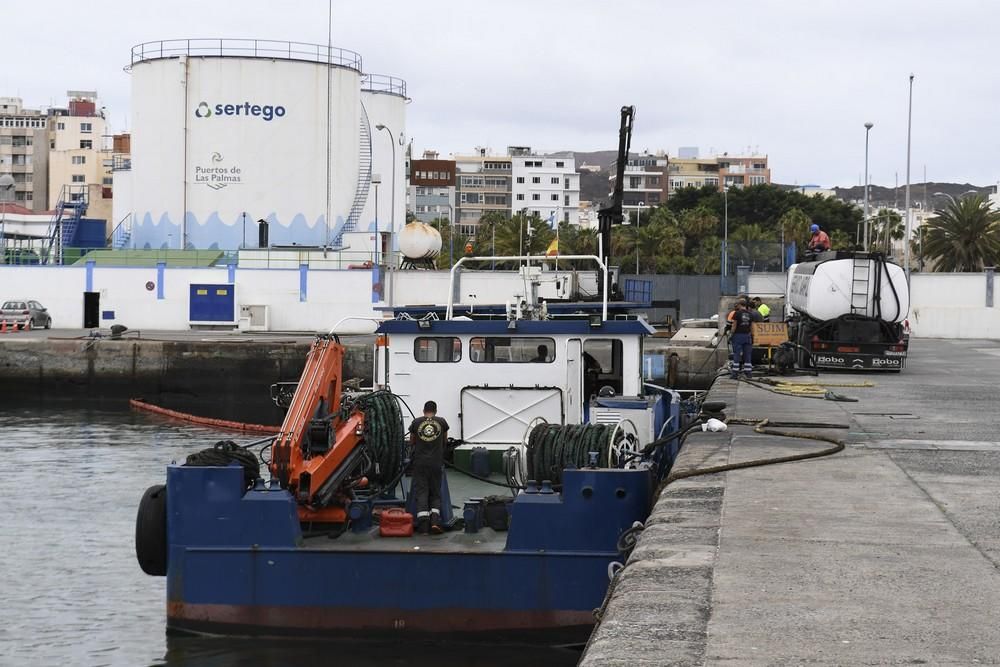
(383, 83)
(247, 48)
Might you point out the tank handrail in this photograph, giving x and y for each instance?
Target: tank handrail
(383, 83)
(247, 48)
(512, 258)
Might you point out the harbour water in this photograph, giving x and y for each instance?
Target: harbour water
(73, 594)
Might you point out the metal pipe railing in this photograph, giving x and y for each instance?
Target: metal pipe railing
(513, 258)
(247, 48)
(383, 83)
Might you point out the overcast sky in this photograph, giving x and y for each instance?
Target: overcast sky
(795, 79)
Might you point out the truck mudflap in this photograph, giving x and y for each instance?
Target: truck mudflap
(867, 359)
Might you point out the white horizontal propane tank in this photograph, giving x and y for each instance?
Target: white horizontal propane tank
(419, 240)
(825, 290)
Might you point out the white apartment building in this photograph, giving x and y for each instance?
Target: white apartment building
(546, 185)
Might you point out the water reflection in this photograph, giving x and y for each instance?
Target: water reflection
(217, 652)
(73, 594)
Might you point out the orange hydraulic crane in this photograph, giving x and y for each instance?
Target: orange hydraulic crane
(318, 445)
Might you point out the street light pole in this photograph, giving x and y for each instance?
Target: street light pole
(868, 128)
(725, 243)
(392, 214)
(6, 185)
(638, 217)
(376, 181)
(451, 236)
(906, 205)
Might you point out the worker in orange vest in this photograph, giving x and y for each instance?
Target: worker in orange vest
(820, 241)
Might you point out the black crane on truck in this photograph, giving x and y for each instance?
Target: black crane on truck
(613, 214)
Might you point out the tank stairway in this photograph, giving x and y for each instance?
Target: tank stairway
(364, 179)
(859, 285)
(70, 209)
(122, 234)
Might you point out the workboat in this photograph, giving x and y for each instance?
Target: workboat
(559, 446)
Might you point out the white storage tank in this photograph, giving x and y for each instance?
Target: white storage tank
(384, 101)
(865, 285)
(228, 132)
(419, 240)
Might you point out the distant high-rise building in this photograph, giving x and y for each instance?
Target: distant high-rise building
(80, 155)
(743, 171)
(545, 185)
(24, 152)
(692, 172)
(719, 172)
(482, 185)
(645, 181)
(432, 187)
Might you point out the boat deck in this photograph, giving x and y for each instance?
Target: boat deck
(461, 487)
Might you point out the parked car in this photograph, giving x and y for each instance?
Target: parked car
(21, 311)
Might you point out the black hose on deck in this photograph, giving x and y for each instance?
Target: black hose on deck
(552, 447)
(383, 437)
(225, 452)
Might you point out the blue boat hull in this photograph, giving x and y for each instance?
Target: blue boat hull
(548, 597)
(238, 565)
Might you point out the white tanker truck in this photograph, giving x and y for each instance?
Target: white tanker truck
(849, 310)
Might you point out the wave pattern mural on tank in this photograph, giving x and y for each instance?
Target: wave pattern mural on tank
(215, 233)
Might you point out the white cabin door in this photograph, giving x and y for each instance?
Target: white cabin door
(574, 382)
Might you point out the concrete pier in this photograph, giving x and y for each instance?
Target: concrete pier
(886, 553)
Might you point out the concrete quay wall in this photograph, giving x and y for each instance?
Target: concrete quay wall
(659, 608)
(224, 379)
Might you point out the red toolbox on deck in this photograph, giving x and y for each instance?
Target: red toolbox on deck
(396, 522)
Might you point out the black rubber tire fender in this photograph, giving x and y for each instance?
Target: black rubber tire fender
(151, 531)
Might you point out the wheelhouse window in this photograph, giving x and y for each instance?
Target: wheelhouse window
(508, 350)
(437, 349)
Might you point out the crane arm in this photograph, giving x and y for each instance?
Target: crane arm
(612, 215)
(316, 446)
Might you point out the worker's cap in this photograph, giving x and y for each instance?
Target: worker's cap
(430, 406)
(814, 228)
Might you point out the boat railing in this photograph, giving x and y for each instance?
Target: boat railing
(602, 267)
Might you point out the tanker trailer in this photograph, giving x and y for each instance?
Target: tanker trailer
(849, 310)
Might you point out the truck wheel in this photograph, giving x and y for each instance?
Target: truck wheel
(151, 531)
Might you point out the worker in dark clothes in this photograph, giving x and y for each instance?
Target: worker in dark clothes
(427, 437)
(741, 340)
(542, 356)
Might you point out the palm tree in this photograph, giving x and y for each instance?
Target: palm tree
(964, 236)
(518, 235)
(794, 227)
(659, 240)
(754, 246)
(888, 227)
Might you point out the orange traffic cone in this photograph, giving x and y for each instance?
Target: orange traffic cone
(3, 326)
(26, 326)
